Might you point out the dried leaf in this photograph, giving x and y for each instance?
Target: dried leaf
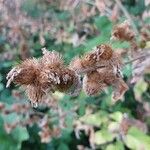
(100, 4)
(126, 123)
(115, 13)
(140, 65)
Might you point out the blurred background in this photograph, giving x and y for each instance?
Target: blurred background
(73, 27)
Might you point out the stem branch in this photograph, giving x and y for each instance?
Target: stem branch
(103, 66)
(127, 15)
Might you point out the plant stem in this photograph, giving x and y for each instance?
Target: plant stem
(135, 59)
(127, 15)
(103, 66)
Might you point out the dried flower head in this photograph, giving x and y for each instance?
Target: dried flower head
(25, 73)
(76, 65)
(99, 55)
(45, 75)
(105, 51)
(101, 68)
(60, 77)
(97, 81)
(123, 32)
(76, 87)
(93, 83)
(51, 59)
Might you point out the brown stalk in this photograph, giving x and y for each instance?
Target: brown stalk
(118, 2)
(103, 66)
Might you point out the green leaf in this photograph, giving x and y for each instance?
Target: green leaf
(117, 146)
(140, 87)
(63, 146)
(147, 44)
(1, 77)
(117, 116)
(127, 70)
(13, 140)
(64, 15)
(69, 121)
(20, 134)
(95, 119)
(137, 140)
(92, 119)
(103, 24)
(6, 97)
(10, 118)
(95, 41)
(102, 137)
(113, 126)
(1, 87)
(118, 44)
(111, 147)
(139, 8)
(7, 143)
(33, 8)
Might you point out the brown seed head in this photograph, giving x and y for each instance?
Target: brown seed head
(51, 59)
(100, 55)
(93, 83)
(123, 32)
(66, 77)
(35, 93)
(76, 65)
(104, 51)
(25, 73)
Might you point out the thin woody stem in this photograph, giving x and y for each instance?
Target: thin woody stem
(135, 59)
(103, 66)
(91, 69)
(127, 15)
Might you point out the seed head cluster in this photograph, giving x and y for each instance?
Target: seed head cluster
(44, 75)
(96, 78)
(101, 67)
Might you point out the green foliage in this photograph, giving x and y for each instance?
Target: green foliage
(140, 88)
(136, 139)
(118, 145)
(13, 140)
(102, 137)
(134, 7)
(104, 117)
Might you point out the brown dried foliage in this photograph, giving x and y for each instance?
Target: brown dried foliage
(31, 117)
(126, 123)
